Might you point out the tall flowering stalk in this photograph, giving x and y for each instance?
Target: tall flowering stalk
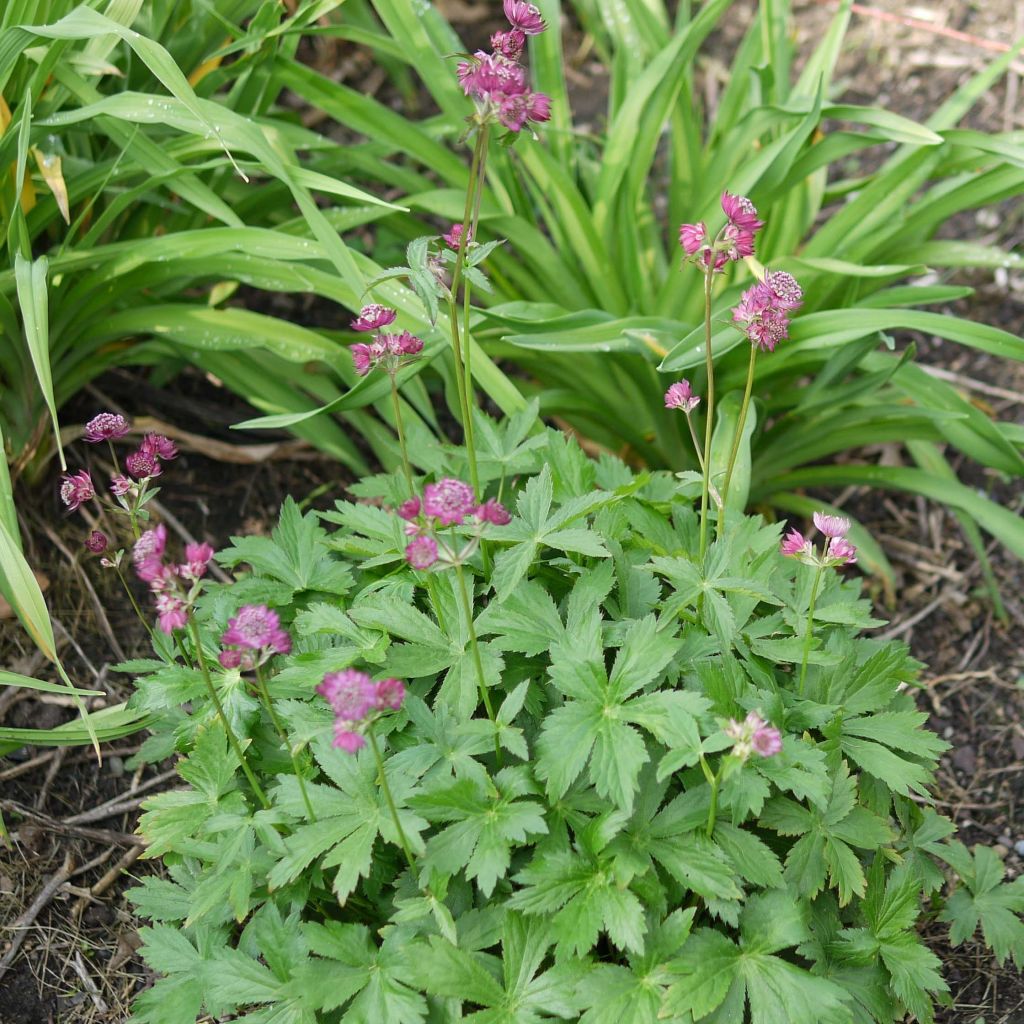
(497, 81)
(430, 522)
(735, 241)
(836, 552)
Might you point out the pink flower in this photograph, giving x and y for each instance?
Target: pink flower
(449, 501)
(362, 359)
(409, 509)
(680, 396)
(142, 464)
(841, 551)
(794, 543)
(454, 237)
(171, 612)
(151, 544)
(525, 17)
(741, 212)
(197, 558)
(390, 694)
(516, 111)
(258, 628)
(120, 485)
(159, 447)
(766, 740)
(421, 552)
(509, 44)
(491, 77)
(373, 317)
(739, 242)
(693, 237)
(96, 542)
(788, 293)
(345, 739)
(831, 526)
(230, 659)
(351, 694)
(404, 344)
(763, 320)
(107, 426)
(76, 489)
(492, 511)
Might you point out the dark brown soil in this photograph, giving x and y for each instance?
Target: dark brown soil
(78, 963)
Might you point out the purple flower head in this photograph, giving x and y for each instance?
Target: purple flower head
(159, 447)
(516, 111)
(454, 237)
(788, 293)
(404, 344)
(766, 741)
(841, 551)
(409, 509)
(96, 542)
(492, 511)
(738, 242)
(714, 258)
(693, 237)
(491, 77)
(107, 426)
(197, 559)
(350, 693)
(831, 526)
(525, 17)
(794, 543)
(76, 489)
(142, 464)
(753, 735)
(741, 212)
(421, 552)
(150, 545)
(230, 659)
(509, 44)
(362, 359)
(120, 484)
(373, 317)
(257, 627)
(763, 320)
(345, 739)
(449, 501)
(390, 694)
(680, 396)
(171, 612)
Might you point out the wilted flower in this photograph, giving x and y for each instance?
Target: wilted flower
(159, 447)
(525, 17)
(449, 501)
(680, 396)
(373, 317)
(76, 489)
(142, 464)
(172, 612)
(492, 511)
(96, 542)
(831, 526)
(421, 552)
(258, 628)
(107, 426)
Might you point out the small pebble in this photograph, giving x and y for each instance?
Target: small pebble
(1019, 847)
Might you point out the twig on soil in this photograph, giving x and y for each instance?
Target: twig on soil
(918, 616)
(102, 835)
(118, 804)
(26, 920)
(108, 879)
(78, 966)
(51, 774)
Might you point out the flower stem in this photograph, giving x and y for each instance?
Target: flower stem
(396, 405)
(710, 410)
(261, 686)
(135, 604)
(713, 781)
(386, 790)
(467, 609)
(739, 434)
(215, 697)
(810, 629)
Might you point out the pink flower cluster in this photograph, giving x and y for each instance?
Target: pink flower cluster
(763, 310)
(174, 585)
(449, 502)
(453, 238)
(680, 396)
(753, 736)
(837, 550)
(734, 242)
(253, 635)
(387, 350)
(356, 701)
(498, 81)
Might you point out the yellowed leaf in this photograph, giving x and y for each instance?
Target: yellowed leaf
(50, 168)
